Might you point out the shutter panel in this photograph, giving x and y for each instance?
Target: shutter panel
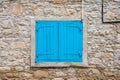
(70, 43)
(59, 41)
(46, 41)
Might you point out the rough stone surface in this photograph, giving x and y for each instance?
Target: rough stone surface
(103, 40)
(4, 69)
(111, 10)
(58, 79)
(60, 74)
(15, 9)
(12, 75)
(24, 1)
(40, 74)
(19, 45)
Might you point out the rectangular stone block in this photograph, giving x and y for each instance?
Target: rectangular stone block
(12, 75)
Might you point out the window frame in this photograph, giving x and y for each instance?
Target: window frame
(84, 63)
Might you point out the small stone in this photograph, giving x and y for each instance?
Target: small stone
(12, 75)
(19, 44)
(109, 74)
(45, 79)
(108, 55)
(18, 68)
(118, 37)
(71, 72)
(7, 31)
(6, 24)
(81, 78)
(40, 74)
(27, 75)
(32, 8)
(15, 9)
(95, 61)
(59, 74)
(38, 12)
(58, 79)
(33, 79)
(70, 12)
(98, 55)
(95, 71)
(4, 54)
(24, 1)
(56, 1)
(4, 69)
(73, 79)
(3, 44)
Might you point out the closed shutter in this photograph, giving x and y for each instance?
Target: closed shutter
(46, 41)
(59, 41)
(70, 41)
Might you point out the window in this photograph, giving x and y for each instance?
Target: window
(57, 43)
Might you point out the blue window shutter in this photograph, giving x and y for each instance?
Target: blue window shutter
(70, 43)
(59, 41)
(46, 41)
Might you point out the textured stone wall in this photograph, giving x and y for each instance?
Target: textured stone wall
(15, 32)
(111, 10)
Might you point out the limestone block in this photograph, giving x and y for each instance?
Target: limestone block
(98, 55)
(7, 31)
(107, 55)
(4, 69)
(70, 12)
(73, 79)
(19, 44)
(60, 73)
(4, 54)
(40, 74)
(12, 75)
(109, 74)
(19, 68)
(45, 79)
(33, 79)
(6, 24)
(95, 61)
(82, 78)
(26, 75)
(24, 1)
(15, 9)
(3, 44)
(95, 71)
(58, 79)
(38, 12)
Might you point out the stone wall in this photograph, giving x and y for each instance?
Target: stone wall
(15, 32)
(111, 10)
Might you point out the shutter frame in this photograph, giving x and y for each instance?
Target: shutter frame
(54, 64)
